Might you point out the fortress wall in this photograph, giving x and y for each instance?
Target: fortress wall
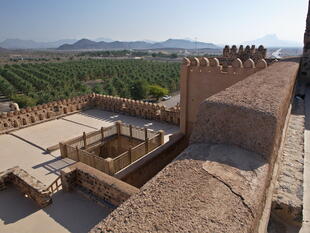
(138, 108)
(305, 60)
(221, 182)
(203, 77)
(97, 183)
(34, 115)
(245, 53)
(27, 184)
(251, 113)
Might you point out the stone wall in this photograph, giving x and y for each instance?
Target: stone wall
(245, 53)
(287, 203)
(138, 108)
(208, 76)
(27, 184)
(97, 183)
(305, 60)
(41, 113)
(220, 182)
(34, 115)
(247, 117)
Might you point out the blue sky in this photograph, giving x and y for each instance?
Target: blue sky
(218, 21)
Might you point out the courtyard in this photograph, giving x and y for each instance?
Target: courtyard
(27, 148)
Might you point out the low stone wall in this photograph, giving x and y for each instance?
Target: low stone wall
(287, 203)
(138, 108)
(97, 183)
(41, 113)
(27, 184)
(34, 115)
(219, 183)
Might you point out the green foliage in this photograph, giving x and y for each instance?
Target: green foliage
(157, 91)
(98, 89)
(23, 100)
(53, 81)
(139, 90)
(6, 87)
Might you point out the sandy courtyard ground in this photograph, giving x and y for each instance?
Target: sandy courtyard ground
(27, 149)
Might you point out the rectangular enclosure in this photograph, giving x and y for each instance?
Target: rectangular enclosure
(113, 148)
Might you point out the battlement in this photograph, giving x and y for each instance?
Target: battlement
(33, 115)
(204, 64)
(245, 53)
(209, 75)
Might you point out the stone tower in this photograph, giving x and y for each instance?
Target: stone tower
(305, 62)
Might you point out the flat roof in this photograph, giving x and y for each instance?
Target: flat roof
(26, 148)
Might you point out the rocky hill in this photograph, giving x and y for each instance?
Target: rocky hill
(85, 44)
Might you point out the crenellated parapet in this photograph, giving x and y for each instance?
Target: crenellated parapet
(137, 108)
(203, 77)
(204, 64)
(41, 113)
(33, 115)
(245, 53)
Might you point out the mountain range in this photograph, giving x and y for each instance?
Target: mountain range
(106, 43)
(272, 40)
(30, 44)
(170, 43)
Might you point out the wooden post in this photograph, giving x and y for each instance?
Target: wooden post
(162, 136)
(130, 155)
(118, 127)
(147, 145)
(102, 134)
(84, 139)
(145, 133)
(130, 131)
(77, 154)
(63, 150)
(110, 166)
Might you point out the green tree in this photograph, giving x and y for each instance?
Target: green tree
(97, 89)
(139, 90)
(24, 101)
(157, 91)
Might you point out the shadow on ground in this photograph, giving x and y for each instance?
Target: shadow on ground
(140, 122)
(14, 206)
(74, 212)
(69, 209)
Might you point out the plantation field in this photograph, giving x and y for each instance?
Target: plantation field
(30, 84)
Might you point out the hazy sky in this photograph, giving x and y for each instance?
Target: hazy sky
(218, 21)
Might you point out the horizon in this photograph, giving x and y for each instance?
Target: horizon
(140, 21)
(108, 39)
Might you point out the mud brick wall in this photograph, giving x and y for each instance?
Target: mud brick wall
(219, 183)
(209, 77)
(27, 184)
(98, 183)
(33, 115)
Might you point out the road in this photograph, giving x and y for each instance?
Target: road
(277, 53)
(175, 99)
